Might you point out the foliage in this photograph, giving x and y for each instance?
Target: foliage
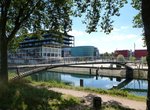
(20, 96)
(114, 106)
(143, 60)
(136, 4)
(99, 13)
(120, 58)
(17, 96)
(131, 58)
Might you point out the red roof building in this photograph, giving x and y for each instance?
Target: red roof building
(140, 53)
(125, 53)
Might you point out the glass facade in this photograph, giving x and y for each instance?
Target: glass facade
(82, 51)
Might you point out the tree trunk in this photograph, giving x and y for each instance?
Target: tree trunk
(3, 61)
(146, 22)
(0, 57)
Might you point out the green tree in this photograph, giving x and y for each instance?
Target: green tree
(132, 58)
(17, 17)
(120, 58)
(20, 16)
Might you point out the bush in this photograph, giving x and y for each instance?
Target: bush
(143, 60)
(131, 58)
(120, 58)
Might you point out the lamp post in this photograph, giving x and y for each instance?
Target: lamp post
(134, 50)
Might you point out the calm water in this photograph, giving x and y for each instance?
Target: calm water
(92, 81)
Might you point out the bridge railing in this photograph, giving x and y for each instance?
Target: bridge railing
(49, 60)
(64, 60)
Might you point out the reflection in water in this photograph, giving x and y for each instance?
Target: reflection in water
(46, 76)
(90, 81)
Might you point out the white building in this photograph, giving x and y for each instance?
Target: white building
(35, 51)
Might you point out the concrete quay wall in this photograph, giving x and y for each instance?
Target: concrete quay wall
(122, 73)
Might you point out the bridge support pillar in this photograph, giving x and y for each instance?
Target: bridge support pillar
(97, 74)
(90, 71)
(118, 79)
(81, 82)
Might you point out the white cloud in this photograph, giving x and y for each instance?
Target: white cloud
(121, 29)
(139, 41)
(122, 37)
(77, 33)
(125, 27)
(108, 43)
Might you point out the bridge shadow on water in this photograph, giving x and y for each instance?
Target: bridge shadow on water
(128, 79)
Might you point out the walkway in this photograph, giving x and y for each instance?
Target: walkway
(42, 67)
(137, 105)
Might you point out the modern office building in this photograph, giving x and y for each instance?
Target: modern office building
(66, 52)
(84, 51)
(52, 39)
(48, 47)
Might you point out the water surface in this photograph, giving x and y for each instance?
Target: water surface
(137, 86)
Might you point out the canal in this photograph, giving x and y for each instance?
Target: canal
(137, 87)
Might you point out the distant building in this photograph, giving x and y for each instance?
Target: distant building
(140, 53)
(137, 53)
(33, 50)
(125, 53)
(84, 51)
(66, 52)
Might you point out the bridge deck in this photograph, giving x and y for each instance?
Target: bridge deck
(100, 65)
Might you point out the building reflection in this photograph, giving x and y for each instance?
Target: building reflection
(47, 76)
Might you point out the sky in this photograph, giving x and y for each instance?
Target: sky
(123, 37)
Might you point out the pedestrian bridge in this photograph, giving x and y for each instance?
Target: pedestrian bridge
(86, 64)
(102, 68)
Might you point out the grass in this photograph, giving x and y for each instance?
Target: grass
(21, 96)
(113, 92)
(11, 74)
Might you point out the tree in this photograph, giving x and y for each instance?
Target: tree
(120, 58)
(17, 17)
(20, 16)
(146, 23)
(132, 59)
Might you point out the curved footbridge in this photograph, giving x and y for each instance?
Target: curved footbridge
(108, 68)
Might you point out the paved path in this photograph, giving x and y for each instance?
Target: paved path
(137, 105)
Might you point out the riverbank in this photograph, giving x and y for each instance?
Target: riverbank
(88, 96)
(117, 97)
(89, 93)
(20, 95)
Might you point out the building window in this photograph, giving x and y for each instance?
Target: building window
(48, 54)
(52, 54)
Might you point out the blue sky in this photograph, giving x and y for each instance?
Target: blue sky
(124, 36)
